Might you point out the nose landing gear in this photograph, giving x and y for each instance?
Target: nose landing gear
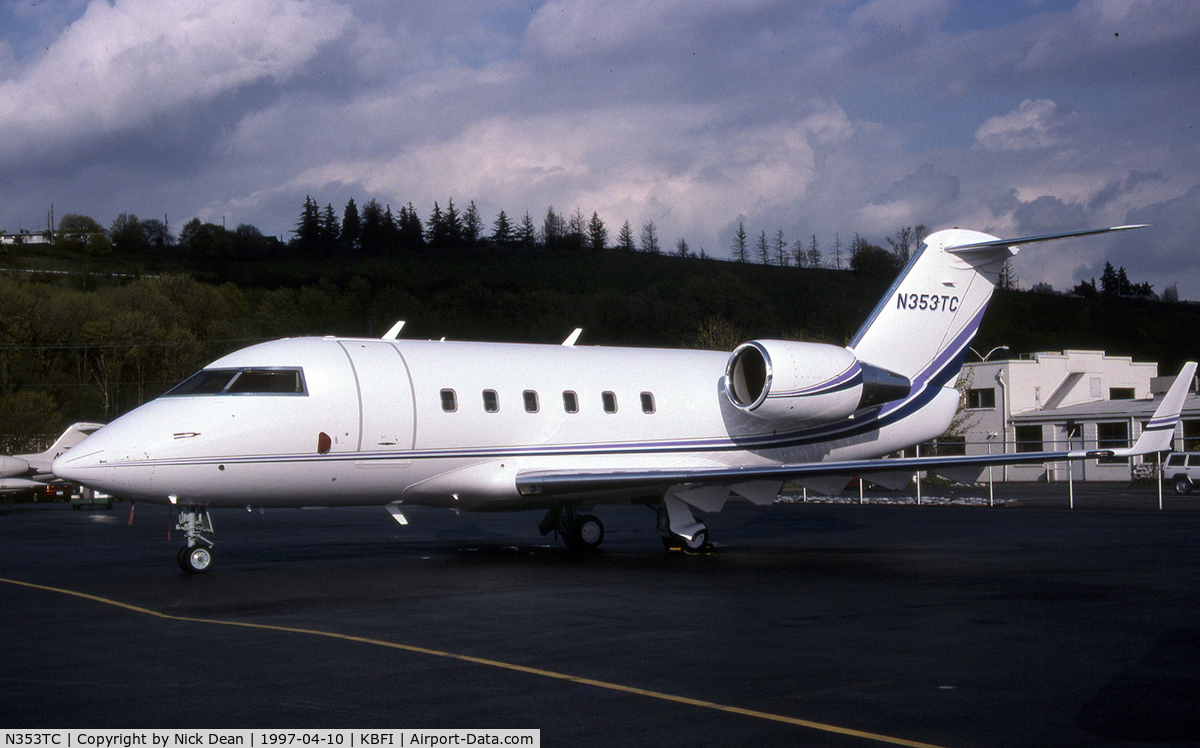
(196, 557)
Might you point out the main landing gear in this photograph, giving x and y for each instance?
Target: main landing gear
(679, 528)
(581, 532)
(196, 557)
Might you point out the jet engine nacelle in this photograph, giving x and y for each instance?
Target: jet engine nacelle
(805, 382)
(12, 466)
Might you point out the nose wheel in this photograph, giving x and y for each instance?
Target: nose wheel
(195, 560)
(196, 557)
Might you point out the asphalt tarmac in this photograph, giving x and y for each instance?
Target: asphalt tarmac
(826, 624)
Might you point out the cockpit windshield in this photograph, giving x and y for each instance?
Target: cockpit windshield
(272, 381)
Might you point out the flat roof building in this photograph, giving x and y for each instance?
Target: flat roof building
(1068, 400)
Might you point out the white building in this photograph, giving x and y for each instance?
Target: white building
(1068, 400)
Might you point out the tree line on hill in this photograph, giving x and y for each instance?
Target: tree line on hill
(375, 231)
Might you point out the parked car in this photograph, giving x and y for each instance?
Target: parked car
(1182, 470)
(87, 497)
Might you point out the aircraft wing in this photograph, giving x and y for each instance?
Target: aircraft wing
(1156, 437)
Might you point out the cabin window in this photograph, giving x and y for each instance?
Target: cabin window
(610, 402)
(491, 401)
(248, 381)
(531, 401)
(647, 402)
(570, 402)
(449, 401)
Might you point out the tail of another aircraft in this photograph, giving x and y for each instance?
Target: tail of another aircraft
(922, 327)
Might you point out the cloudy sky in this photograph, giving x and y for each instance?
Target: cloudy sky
(829, 117)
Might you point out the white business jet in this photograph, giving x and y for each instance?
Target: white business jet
(491, 427)
(29, 471)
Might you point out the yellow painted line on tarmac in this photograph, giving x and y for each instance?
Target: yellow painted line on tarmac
(875, 737)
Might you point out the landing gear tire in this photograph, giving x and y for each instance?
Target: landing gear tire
(696, 544)
(585, 534)
(195, 559)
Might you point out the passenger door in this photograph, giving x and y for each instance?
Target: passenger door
(384, 395)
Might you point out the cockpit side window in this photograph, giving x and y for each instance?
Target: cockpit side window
(267, 382)
(249, 381)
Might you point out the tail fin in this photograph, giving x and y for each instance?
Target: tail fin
(74, 434)
(923, 325)
(1160, 431)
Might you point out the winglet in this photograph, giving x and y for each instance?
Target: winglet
(1160, 431)
(394, 331)
(573, 337)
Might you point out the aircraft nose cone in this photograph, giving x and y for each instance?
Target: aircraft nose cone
(79, 463)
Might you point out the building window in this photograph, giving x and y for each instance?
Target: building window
(531, 401)
(610, 402)
(570, 402)
(491, 401)
(951, 445)
(647, 402)
(1120, 393)
(449, 401)
(979, 399)
(1191, 435)
(1112, 436)
(1029, 438)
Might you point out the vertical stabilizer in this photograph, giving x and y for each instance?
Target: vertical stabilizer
(922, 327)
(929, 316)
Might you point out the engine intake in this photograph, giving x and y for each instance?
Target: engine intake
(805, 382)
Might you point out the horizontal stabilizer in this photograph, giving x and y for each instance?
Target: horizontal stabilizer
(982, 246)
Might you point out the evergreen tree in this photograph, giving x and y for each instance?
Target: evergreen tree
(374, 235)
(800, 253)
(526, 233)
(597, 233)
(412, 233)
(502, 230)
(1109, 288)
(650, 238)
(871, 259)
(741, 252)
(454, 226)
(331, 232)
(625, 238)
(554, 229)
(351, 228)
(780, 249)
(763, 248)
(681, 247)
(576, 231)
(391, 231)
(435, 230)
(814, 254)
(471, 225)
(307, 240)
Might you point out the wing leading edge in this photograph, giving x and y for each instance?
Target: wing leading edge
(1156, 437)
